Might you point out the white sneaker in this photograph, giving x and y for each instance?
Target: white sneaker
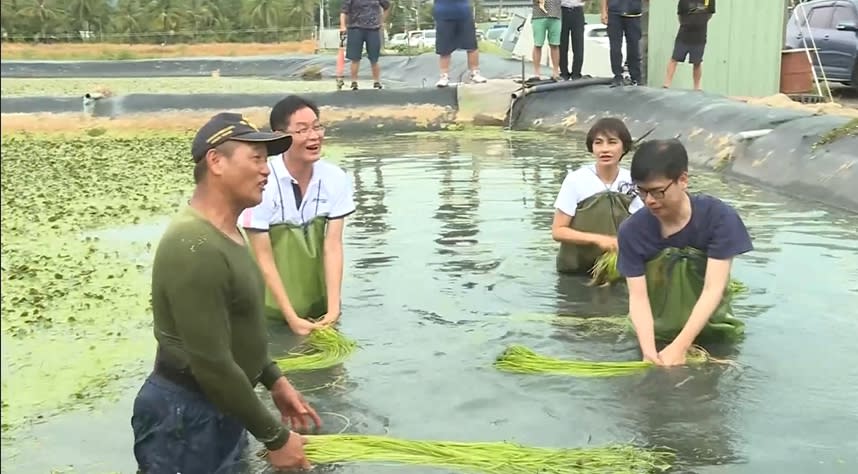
(477, 78)
(444, 81)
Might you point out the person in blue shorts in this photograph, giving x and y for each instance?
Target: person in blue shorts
(690, 42)
(676, 255)
(362, 21)
(455, 29)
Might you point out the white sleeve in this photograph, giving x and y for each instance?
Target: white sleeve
(636, 205)
(567, 198)
(260, 216)
(343, 202)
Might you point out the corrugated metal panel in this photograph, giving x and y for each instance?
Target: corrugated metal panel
(743, 51)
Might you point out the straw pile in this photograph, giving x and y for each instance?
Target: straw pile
(489, 458)
(520, 359)
(323, 348)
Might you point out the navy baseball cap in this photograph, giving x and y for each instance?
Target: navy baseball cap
(228, 126)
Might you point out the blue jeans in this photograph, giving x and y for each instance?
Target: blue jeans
(177, 430)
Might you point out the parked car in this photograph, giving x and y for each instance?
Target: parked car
(421, 39)
(397, 41)
(831, 27)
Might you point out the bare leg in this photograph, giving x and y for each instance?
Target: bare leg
(555, 60)
(697, 74)
(537, 60)
(671, 70)
(376, 72)
(355, 68)
(444, 63)
(473, 60)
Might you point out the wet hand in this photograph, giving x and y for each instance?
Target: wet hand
(608, 243)
(673, 354)
(291, 455)
(329, 319)
(653, 358)
(605, 18)
(295, 412)
(301, 326)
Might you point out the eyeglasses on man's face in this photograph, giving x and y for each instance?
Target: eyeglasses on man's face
(302, 131)
(656, 193)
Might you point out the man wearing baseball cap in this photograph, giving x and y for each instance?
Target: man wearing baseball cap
(192, 413)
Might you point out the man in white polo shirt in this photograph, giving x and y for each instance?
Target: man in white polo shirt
(296, 232)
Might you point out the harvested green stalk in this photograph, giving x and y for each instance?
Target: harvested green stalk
(735, 287)
(489, 458)
(605, 271)
(520, 359)
(323, 348)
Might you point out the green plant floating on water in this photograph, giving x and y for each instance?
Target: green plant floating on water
(488, 457)
(323, 348)
(520, 359)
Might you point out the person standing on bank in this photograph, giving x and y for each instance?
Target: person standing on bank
(572, 24)
(694, 16)
(194, 410)
(676, 255)
(296, 232)
(546, 25)
(363, 22)
(623, 19)
(455, 29)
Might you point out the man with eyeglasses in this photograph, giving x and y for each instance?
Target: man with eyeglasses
(296, 232)
(676, 255)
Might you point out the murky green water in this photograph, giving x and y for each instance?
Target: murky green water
(451, 247)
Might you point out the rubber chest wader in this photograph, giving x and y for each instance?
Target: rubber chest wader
(299, 256)
(674, 283)
(600, 213)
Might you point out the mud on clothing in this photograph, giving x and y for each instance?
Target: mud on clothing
(675, 266)
(208, 321)
(297, 224)
(599, 209)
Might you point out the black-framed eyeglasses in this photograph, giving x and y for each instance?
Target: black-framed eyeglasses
(655, 193)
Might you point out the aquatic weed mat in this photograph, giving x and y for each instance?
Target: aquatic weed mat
(75, 304)
(486, 457)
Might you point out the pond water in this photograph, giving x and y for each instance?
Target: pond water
(448, 253)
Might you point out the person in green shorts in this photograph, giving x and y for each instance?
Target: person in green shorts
(676, 255)
(296, 232)
(194, 410)
(546, 24)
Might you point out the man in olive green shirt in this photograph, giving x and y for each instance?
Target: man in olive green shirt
(191, 414)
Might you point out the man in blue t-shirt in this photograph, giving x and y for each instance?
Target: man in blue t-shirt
(674, 219)
(455, 29)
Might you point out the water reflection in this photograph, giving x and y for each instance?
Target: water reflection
(458, 213)
(371, 216)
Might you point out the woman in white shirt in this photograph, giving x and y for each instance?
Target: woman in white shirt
(594, 199)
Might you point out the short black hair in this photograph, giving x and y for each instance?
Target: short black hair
(283, 111)
(611, 126)
(659, 159)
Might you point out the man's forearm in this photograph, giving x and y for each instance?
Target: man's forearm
(641, 315)
(703, 309)
(226, 386)
(344, 20)
(604, 7)
(333, 274)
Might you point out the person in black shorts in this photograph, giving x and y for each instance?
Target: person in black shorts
(362, 21)
(694, 16)
(455, 29)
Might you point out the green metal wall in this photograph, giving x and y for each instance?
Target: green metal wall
(743, 52)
